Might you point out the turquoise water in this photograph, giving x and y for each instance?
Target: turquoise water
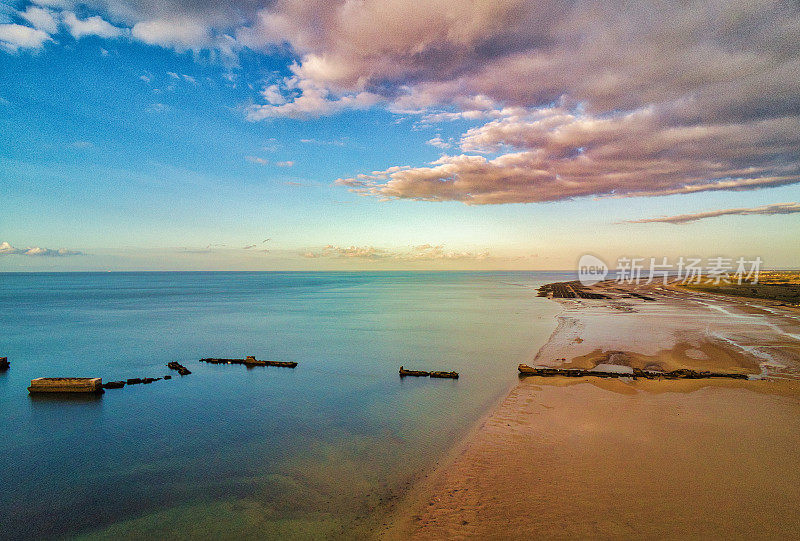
(322, 450)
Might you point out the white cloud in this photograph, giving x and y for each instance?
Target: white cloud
(7, 249)
(287, 163)
(179, 32)
(323, 142)
(298, 97)
(256, 160)
(438, 142)
(91, 26)
(422, 252)
(272, 93)
(182, 76)
(55, 3)
(271, 145)
(41, 18)
(14, 37)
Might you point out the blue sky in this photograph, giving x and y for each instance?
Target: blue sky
(143, 152)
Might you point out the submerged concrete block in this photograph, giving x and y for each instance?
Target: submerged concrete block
(66, 385)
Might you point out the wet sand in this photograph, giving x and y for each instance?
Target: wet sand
(585, 457)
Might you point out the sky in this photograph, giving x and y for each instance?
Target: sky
(421, 135)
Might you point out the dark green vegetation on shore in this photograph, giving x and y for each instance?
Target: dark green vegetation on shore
(774, 286)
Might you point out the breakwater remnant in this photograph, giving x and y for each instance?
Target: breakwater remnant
(182, 370)
(94, 385)
(683, 373)
(66, 385)
(569, 290)
(132, 381)
(418, 373)
(250, 360)
(423, 373)
(450, 375)
(4, 364)
(137, 381)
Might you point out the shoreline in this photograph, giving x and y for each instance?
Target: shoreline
(424, 485)
(544, 460)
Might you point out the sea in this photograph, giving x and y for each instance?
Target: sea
(321, 451)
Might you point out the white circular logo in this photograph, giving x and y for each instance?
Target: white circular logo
(591, 270)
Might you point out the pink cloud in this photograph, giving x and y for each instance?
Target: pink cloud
(556, 153)
(766, 210)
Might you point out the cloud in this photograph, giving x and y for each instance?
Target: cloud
(428, 252)
(91, 26)
(352, 252)
(558, 153)
(575, 98)
(423, 252)
(157, 108)
(271, 145)
(768, 210)
(14, 37)
(263, 161)
(273, 95)
(40, 18)
(297, 97)
(323, 142)
(583, 99)
(8, 249)
(438, 142)
(179, 32)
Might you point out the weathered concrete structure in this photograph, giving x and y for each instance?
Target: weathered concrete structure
(182, 370)
(66, 385)
(250, 360)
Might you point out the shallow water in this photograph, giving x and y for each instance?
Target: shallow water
(319, 450)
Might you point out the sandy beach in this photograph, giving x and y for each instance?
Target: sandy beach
(623, 458)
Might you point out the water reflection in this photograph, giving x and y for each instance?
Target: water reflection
(50, 399)
(259, 452)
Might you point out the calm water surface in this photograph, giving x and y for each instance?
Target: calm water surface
(321, 450)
